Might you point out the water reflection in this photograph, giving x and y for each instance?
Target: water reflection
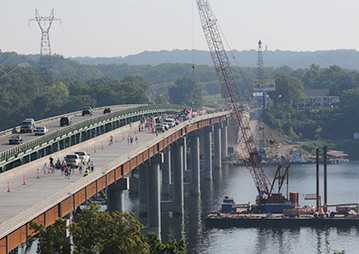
(236, 182)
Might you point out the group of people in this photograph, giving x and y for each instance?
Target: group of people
(130, 140)
(66, 170)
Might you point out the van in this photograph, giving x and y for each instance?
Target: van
(28, 125)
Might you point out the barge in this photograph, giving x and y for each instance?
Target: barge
(282, 216)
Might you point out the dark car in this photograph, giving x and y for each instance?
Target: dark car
(14, 140)
(107, 110)
(86, 111)
(65, 120)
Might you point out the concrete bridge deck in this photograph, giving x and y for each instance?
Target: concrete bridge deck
(49, 197)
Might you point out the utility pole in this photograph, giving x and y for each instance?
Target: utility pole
(44, 25)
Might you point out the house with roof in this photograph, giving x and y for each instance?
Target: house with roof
(317, 99)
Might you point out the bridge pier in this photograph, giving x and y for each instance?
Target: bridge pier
(217, 162)
(224, 139)
(116, 196)
(166, 174)
(207, 140)
(143, 195)
(154, 206)
(195, 163)
(178, 190)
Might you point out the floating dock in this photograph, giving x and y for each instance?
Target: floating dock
(221, 220)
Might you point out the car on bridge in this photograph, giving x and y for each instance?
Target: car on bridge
(87, 111)
(170, 121)
(28, 125)
(159, 127)
(65, 120)
(41, 130)
(107, 110)
(84, 157)
(14, 140)
(72, 160)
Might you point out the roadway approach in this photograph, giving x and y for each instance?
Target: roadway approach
(27, 194)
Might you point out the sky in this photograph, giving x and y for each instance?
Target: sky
(111, 28)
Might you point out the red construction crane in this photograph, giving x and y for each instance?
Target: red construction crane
(232, 97)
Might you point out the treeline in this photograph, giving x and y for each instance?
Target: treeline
(39, 93)
(345, 58)
(337, 122)
(28, 90)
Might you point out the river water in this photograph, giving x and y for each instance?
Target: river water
(236, 182)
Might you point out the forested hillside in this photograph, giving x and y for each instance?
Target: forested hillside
(348, 59)
(30, 91)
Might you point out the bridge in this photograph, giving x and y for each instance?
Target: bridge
(26, 194)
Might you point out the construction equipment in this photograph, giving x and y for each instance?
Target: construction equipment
(232, 97)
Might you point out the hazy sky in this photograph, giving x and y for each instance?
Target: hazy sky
(107, 28)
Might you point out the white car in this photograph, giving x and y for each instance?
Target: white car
(160, 127)
(171, 122)
(84, 157)
(166, 125)
(41, 130)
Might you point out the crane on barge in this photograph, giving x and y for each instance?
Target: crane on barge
(231, 95)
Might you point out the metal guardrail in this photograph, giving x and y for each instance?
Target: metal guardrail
(49, 119)
(13, 152)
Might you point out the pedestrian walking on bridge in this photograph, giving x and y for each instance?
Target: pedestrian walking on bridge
(92, 166)
(44, 168)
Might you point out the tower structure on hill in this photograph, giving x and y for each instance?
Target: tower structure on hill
(260, 63)
(45, 25)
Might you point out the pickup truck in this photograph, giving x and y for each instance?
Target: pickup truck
(72, 160)
(84, 157)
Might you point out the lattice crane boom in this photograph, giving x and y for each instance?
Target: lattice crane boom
(231, 95)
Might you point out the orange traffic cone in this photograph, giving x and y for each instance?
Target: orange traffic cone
(38, 175)
(24, 182)
(8, 186)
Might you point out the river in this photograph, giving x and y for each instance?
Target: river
(236, 182)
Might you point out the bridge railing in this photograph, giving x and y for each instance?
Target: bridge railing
(23, 148)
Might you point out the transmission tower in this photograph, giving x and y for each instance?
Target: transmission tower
(260, 63)
(45, 25)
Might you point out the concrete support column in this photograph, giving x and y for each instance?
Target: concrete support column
(207, 140)
(178, 191)
(184, 154)
(224, 139)
(116, 196)
(154, 206)
(217, 163)
(166, 173)
(195, 163)
(143, 194)
(201, 145)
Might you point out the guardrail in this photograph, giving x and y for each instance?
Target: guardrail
(13, 152)
(49, 119)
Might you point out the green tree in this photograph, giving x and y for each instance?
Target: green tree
(185, 92)
(94, 231)
(288, 90)
(52, 239)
